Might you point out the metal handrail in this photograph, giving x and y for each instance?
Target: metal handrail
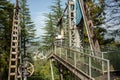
(102, 69)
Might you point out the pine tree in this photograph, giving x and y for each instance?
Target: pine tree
(56, 11)
(27, 31)
(48, 38)
(51, 27)
(97, 15)
(6, 13)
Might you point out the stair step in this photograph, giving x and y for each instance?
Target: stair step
(13, 66)
(13, 52)
(13, 59)
(14, 40)
(14, 47)
(12, 74)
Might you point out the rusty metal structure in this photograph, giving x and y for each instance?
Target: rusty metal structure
(13, 61)
(18, 67)
(74, 58)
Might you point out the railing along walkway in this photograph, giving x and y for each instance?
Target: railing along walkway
(82, 64)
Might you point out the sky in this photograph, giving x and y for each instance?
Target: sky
(37, 10)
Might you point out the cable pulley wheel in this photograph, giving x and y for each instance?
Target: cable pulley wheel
(26, 69)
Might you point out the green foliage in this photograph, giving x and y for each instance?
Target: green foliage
(48, 38)
(42, 69)
(27, 26)
(96, 11)
(51, 28)
(56, 10)
(97, 15)
(6, 13)
(6, 18)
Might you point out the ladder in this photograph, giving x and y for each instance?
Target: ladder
(13, 61)
(71, 16)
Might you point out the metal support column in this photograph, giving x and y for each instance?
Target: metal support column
(75, 31)
(52, 74)
(71, 17)
(60, 71)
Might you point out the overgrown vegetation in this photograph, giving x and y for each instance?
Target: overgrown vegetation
(6, 13)
(103, 13)
(27, 27)
(6, 18)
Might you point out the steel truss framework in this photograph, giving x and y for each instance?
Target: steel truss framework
(76, 32)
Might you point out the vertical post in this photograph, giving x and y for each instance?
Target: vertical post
(102, 62)
(75, 59)
(60, 52)
(66, 54)
(71, 76)
(55, 47)
(108, 69)
(25, 71)
(61, 48)
(25, 78)
(90, 66)
(51, 70)
(60, 71)
(52, 48)
(69, 22)
(21, 63)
